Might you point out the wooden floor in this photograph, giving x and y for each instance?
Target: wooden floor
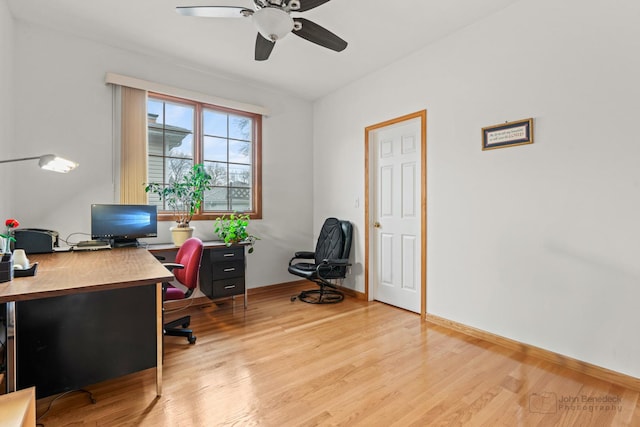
(351, 364)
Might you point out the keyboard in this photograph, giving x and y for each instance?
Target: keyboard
(91, 248)
(92, 245)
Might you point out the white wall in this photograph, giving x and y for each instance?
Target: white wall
(63, 106)
(537, 243)
(6, 101)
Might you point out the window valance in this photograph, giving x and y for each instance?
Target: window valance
(132, 82)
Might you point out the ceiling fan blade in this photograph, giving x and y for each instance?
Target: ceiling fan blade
(214, 11)
(263, 48)
(319, 35)
(310, 4)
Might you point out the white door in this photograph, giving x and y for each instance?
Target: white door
(396, 206)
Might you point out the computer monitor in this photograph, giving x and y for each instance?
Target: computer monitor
(122, 225)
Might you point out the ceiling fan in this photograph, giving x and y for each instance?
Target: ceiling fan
(274, 21)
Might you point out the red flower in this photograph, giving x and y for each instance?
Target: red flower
(12, 223)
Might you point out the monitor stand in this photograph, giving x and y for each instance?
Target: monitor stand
(124, 243)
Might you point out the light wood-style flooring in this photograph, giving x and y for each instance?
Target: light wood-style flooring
(350, 364)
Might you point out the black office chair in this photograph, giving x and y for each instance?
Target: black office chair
(185, 269)
(330, 262)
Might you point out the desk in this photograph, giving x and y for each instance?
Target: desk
(87, 281)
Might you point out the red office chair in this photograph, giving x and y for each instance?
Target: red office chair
(185, 269)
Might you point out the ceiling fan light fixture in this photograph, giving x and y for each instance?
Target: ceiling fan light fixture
(273, 23)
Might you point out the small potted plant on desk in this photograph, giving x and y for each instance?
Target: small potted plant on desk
(184, 197)
(233, 229)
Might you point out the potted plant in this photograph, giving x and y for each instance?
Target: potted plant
(233, 229)
(184, 197)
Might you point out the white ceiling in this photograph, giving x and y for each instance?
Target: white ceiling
(379, 33)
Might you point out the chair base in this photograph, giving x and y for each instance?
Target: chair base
(319, 296)
(178, 328)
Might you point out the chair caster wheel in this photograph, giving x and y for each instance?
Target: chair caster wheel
(293, 298)
(192, 340)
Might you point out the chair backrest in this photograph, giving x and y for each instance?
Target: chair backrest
(189, 255)
(334, 242)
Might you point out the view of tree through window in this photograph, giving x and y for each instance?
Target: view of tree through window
(182, 133)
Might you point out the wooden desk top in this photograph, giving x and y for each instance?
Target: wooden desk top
(64, 273)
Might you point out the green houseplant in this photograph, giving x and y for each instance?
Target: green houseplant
(233, 229)
(184, 197)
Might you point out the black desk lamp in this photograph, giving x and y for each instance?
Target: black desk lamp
(50, 162)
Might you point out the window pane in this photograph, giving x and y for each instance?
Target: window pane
(155, 170)
(215, 123)
(154, 199)
(239, 175)
(156, 138)
(240, 127)
(176, 168)
(240, 199)
(239, 152)
(179, 144)
(215, 149)
(216, 199)
(178, 116)
(155, 111)
(218, 172)
(155, 127)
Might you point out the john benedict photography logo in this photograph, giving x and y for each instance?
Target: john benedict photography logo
(551, 403)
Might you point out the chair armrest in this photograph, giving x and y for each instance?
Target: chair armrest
(302, 255)
(329, 265)
(305, 254)
(173, 265)
(338, 262)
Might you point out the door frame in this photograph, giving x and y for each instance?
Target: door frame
(369, 182)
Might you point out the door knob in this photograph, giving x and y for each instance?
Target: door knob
(376, 224)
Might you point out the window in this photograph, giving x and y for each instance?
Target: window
(182, 133)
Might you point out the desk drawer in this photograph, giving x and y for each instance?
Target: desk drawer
(225, 270)
(226, 288)
(227, 254)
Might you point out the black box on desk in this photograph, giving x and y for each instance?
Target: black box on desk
(6, 268)
(35, 240)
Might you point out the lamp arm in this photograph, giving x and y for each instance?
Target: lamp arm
(20, 160)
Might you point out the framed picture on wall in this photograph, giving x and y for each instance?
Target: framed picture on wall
(508, 134)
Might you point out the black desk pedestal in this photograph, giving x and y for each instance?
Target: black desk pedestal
(222, 272)
(4, 348)
(70, 342)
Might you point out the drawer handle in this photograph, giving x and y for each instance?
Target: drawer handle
(231, 254)
(229, 269)
(230, 287)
